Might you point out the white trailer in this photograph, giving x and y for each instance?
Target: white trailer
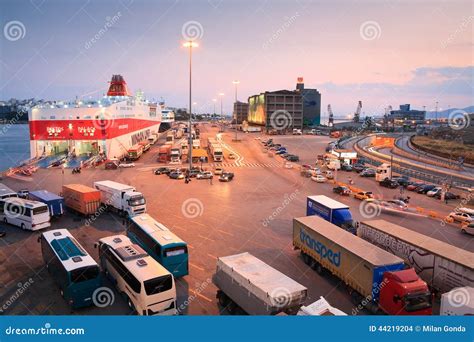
(321, 307)
(441, 265)
(383, 171)
(153, 138)
(121, 198)
(247, 283)
(175, 154)
(215, 150)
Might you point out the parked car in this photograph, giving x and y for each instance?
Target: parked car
(319, 179)
(204, 175)
(359, 167)
(433, 192)
(328, 174)
(226, 177)
(284, 155)
(193, 173)
(231, 156)
(363, 195)
(176, 175)
(389, 183)
(292, 158)
(459, 216)
(447, 195)
(280, 152)
(218, 170)
(414, 186)
(425, 188)
(368, 173)
(23, 193)
(162, 171)
(467, 228)
(127, 164)
(403, 181)
(346, 167)
(342, 190)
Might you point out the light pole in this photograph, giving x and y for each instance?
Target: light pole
(190, 44)
(236, 82)
(221, 95)
(214, 100)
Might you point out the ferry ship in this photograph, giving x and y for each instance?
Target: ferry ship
(107, 127)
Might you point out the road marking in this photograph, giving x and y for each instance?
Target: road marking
(196, 266)
(224, 232)
(200, 295)
(206, 238)
(212, 256)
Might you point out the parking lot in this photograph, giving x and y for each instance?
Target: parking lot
(252, 213)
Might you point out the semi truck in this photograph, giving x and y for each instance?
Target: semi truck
(196, 143)
(164, 153)
(215, 150)
(146, 145)
(331, 210)
(382, 172)
(121, 198)
(170, 138)
(153, 138)
(135, 152)
(54, 202)
(376, 279)
(441, 265)
(175, 154)
(81, 198)
(245, 283)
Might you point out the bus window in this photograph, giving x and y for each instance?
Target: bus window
(40, 210)
(158, 285)
(84, 274)
(173, 251)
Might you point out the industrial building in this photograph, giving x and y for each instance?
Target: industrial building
(280, 110)
(405, 115)
(240, 112)
(311, 104)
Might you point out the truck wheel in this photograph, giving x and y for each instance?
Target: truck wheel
(23, 227)
(223, 299)
(319, 268)
(356, 298)
(307, 259)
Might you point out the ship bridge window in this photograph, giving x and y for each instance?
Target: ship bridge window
(87, 117)
(52, 117)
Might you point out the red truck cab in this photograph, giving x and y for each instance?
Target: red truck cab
(405, 293)
(164, 153)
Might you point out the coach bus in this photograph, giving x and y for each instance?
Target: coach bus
(6, 192)
(74, 271)
(148, 287)
(158, 241)
(26, 214)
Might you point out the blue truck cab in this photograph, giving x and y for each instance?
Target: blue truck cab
(331, 210)
(54, 202)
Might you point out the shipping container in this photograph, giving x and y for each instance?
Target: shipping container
(54, 202)
(81, 198)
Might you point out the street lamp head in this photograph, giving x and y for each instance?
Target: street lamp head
(236, 82)
(190, 44)
(214, 100)
(221, 94)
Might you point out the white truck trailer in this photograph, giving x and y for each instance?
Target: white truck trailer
(441, 265)
(247, 283)
(121, 198)
(176, 154)
(458, 302)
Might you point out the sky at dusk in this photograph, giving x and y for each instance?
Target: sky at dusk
(381, 52)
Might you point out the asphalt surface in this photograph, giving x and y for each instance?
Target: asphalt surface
(253, 213)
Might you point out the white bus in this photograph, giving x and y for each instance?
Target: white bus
(149, 288)
(26, 214)
(6, 192)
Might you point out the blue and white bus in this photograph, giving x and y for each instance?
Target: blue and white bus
(158, 241)
(26, 214)
(76, 272)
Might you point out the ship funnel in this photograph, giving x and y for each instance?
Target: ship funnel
(118, 86)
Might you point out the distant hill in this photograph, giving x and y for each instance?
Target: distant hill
(445, 113)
